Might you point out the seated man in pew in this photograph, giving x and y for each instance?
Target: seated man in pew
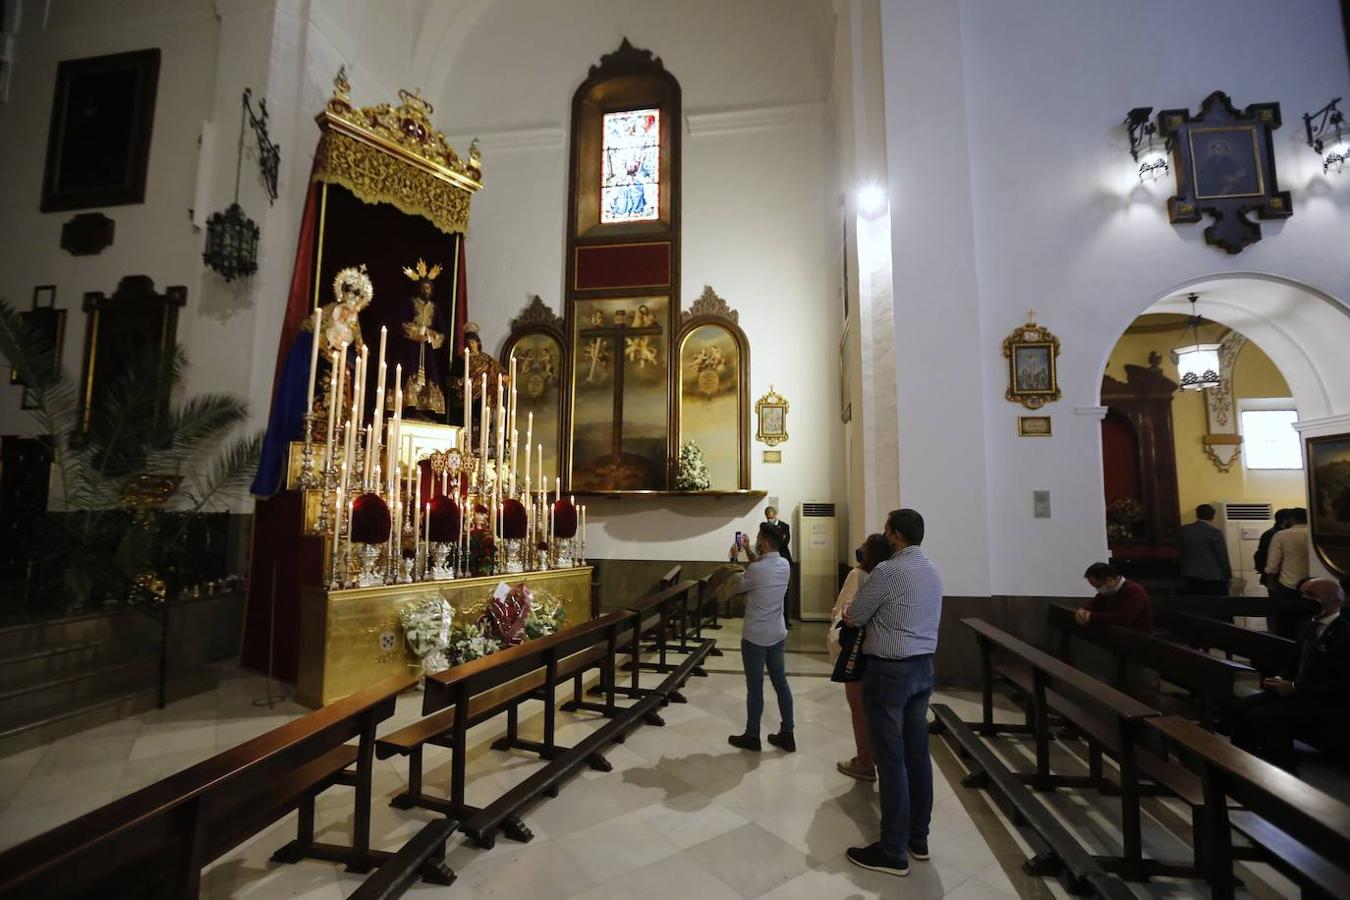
(1119, 601)
(1314, 696)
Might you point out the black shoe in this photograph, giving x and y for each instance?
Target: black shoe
(919, 851)
(878, 860)
(745, 742)
(783, 740)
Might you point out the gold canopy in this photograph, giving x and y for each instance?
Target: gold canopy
(393, 154)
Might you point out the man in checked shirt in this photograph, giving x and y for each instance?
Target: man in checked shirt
(899, 607)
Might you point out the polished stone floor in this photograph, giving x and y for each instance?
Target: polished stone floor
(683, 814)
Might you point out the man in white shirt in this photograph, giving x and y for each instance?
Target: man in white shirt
(1287, 566)
(764, 584)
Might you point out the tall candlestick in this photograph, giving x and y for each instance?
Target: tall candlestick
(466, 444)
(529, 442)
(370, 458)
(314, 361)
(417, 516)
(427, 525)
(339, 402)
(362, 378)
(334, 405)
(583, 525)
(483, 432)
(515, 451)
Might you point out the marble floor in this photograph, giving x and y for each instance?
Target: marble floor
(682, 814)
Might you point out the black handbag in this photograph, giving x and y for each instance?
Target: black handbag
(851, 662)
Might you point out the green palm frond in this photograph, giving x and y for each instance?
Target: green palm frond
(232, 470)
(195, 423)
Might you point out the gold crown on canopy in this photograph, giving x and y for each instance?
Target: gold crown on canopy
(421, 272)
(393, 154)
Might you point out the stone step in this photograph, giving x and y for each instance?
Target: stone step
(52, 662)
(45, 698)
(124, 626)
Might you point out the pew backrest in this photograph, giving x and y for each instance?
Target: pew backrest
(1210, 607)
(1268, 653)
(160, 830)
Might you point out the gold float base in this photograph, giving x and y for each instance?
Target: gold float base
(350, 639)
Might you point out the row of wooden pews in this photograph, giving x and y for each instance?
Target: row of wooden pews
(1281, 820)
(156, 841)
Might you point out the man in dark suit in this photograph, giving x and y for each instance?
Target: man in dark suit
(771, 518)
(1313, 695)
(1204, 555)
(1282, 518)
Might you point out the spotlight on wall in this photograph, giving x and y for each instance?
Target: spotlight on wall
(1148, 149)
(871, 199)
(1197, 363)
(1328, 136)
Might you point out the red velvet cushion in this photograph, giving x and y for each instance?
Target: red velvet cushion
(514, 520)
(370, 519)
(443, 520)
(564, 519)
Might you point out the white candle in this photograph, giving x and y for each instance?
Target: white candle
(483, 430)
(364, 369)
(529, 442)
(417, 513)
(333, 407)
(351, 513)
(428, 535)
(314, 361)
(543, 479)
(339, 401)
(468, 394)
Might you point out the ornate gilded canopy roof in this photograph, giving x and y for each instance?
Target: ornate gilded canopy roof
(393, 154)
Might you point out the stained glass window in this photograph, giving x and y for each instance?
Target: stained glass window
(630, 172)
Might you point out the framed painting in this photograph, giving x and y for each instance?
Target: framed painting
(536, 344)
(771, 411)
(1224, 162)
(621, 398)
(1031, 352)
(1328, 465)
(713, 410)
(98, 141)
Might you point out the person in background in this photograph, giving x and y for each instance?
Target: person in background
(785, 545)
(1287, 566)
(764, 584)
(1263, 546)
(1313, 694)
(1119, 601)
(872, 553)
(1204, 556)
(900, 607)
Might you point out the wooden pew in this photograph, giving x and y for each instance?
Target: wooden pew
(1210, 681)
(1304, 832)
(155, 842)
(500, 683)
(1268, 653)
(1222, 608)
(654, 616)
(1109, 721)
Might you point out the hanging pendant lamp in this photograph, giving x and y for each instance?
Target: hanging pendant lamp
(1197, 363)
(231, 236)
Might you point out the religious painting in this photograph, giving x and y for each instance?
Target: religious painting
(771, 410)
(711, 401)
(539, 367)
(620, 394)
(1031, 351)
(1224, 164)
(1328, 467)
(98, 142)
(630, 166)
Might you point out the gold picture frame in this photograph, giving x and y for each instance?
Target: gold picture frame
(1034, 426)
(1031, 351)
(771, 418)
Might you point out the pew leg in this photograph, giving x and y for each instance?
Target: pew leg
(517, 830)
(304, 834)
(510, 739)
(1095, 763)
(408, 799)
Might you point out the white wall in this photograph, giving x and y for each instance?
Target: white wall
(1047, 214)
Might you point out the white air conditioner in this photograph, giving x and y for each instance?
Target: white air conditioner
(1243, 522)
(818, 554)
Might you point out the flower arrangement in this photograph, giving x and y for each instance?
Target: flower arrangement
(546, 617)
(470, 642)
(427, 628)
(693, 470)
(1121, 518)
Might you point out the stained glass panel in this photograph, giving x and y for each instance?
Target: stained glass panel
(630, 170)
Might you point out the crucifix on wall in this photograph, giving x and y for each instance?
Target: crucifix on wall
(621, 382)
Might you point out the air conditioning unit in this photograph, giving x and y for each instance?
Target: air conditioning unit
(1243, 522)
(818, 554)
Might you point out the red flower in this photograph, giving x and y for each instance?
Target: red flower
(370, 519)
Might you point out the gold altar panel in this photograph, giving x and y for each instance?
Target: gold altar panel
(350, 639)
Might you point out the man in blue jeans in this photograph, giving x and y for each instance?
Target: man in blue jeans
(764, 585)
(900, 606)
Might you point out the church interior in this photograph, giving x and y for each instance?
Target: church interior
(428, 420)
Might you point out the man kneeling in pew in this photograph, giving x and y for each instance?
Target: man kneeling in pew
(1315, 695)
(1119, 601)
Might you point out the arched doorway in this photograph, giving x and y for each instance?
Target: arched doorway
(1166, 450)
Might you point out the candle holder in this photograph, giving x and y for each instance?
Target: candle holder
(335, 582)
(514, 552)
(369, 555)
(440, 559)
(308, 477)
(406, 570)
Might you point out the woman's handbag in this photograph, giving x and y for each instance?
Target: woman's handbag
(850, 664)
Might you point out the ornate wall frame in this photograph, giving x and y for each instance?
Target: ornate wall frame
(711, 310)
(1328, 459)
(1032, 351)
(771, 418)
(1226, 189)
(537, 319)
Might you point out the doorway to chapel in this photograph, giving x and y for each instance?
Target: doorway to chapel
(1223, 436)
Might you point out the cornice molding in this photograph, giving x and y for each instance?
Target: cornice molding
(547, 137)
(754, 118)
